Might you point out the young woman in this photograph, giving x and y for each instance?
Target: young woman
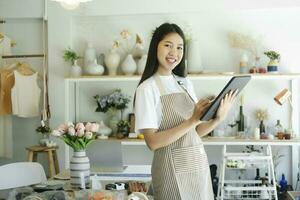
(167, 113)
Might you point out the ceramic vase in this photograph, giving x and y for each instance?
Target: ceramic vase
(75, 70)
(45, 138)
(141, 64)
(79, 169)
(128, 66)
(94, 69)
(103, 129)
(89, 55)
(112, 61)
(194, 62)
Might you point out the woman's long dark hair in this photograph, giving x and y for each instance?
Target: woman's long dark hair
(152, 61)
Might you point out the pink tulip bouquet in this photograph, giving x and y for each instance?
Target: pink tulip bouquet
(77, 136)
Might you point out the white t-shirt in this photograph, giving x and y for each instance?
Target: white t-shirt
(147, 101)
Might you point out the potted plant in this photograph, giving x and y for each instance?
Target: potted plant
(274, 60)
(112, 103)
(71, 56)
(78, 137)
(45, 131)
(123, 129)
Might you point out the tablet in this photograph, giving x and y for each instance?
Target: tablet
(236, 82)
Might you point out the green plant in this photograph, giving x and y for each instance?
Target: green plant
(70, 55)
(43, 129)
(123, 123)
(273, 55)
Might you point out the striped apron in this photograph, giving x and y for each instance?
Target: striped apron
(180, 171)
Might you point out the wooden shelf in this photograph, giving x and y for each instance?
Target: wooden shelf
(208, 76)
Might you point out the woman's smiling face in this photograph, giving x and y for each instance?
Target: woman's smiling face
(169, 53)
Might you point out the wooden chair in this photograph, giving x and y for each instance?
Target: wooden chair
(53, 165)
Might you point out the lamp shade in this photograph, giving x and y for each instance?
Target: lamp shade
(282, 96)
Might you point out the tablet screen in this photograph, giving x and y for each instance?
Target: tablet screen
(236, 82)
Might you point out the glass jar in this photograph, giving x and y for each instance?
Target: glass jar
(278, 130)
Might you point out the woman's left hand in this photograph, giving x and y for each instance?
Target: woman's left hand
(225, 105)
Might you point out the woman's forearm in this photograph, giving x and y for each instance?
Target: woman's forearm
(206, 127)
(156, 140)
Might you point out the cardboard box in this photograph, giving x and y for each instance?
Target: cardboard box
(293, 195)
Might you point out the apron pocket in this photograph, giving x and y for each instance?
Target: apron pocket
(189, 159)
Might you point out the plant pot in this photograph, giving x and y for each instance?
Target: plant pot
(79, 169)
(45, 138)
(273, 66)
(75, 70)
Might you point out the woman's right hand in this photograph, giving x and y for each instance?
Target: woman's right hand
(200, 108)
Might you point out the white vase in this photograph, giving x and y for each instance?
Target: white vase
(79, 169)
(112, 61)
(103, 129)
(89, 55)
(128, 66)
(94, 69)
(141, 64)
(75, 70)
(194, 57)
(43, 141)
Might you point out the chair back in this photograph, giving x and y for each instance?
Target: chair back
(21, 174)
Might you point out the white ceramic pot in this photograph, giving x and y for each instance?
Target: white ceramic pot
(128, 66)
(104, 130)
(194, 62)
(79, 169)
(112, 61)
(94, 69)
(89, 55)
(141, 64)
(75, 70)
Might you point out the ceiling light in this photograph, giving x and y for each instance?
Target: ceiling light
(71, 4)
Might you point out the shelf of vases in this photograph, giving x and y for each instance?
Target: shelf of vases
(203, 76)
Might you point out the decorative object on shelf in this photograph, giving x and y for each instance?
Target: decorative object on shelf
(261, 115)
(71, 56)
(94, 69)
(141, 64)
(78, 137)
(128, 66)
(257, 68)
(76, 70)
(248, 43)
(278, 130)
(71, 4)
(103, 129)
(89, 56)
(45, 130)
(112, 61)
(138, 49)
(123, 129)
(112, 103)
(194, 61)
(244, 64)
(274, 61)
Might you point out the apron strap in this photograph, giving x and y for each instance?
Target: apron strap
(160, 86)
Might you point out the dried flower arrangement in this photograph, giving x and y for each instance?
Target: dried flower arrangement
(261, 114)
(127, 44)
(245, 42)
